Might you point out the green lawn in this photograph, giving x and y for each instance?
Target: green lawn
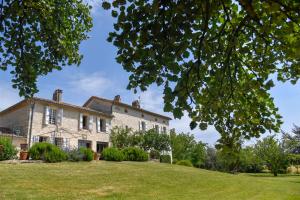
(130, 180)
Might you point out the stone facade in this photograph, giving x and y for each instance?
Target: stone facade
(127, 116)
(68, 131)
(16, 120)
(70, 126)
(65, 125)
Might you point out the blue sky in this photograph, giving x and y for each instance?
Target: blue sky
(100, 75)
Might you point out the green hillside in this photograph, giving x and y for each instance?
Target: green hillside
(130, 180)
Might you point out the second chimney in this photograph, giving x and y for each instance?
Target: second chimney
(117, 98)
(57, 95)
(136, 104)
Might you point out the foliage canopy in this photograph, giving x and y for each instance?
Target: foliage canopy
(37, 37)
(217, 60)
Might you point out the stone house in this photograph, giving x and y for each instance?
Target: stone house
(66, 125)
(70, 126)
(129, 116)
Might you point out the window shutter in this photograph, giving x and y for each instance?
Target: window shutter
(106, 125)
(59, 116)
(161, 129)
(35, 139)
(46, 115)
(140, 125)
(80, 121)
(98, 125)
(91, 123)
(145, 126)
(66, 143)
(52, 138)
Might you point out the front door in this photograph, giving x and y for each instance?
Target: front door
(101, 146)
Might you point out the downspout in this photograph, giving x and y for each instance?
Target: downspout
(32, 106)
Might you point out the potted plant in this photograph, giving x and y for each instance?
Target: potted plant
(96, 156)
(24, 155)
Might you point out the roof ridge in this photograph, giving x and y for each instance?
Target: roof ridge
(124, 104)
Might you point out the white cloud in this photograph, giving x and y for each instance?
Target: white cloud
(151, 100)
(90, 84)
(8, 96)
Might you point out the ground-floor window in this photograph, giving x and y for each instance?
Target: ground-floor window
(85, 143)
(44, 139)
(101, 146)
(59, 142)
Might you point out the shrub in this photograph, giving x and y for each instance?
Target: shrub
(184, 163)
(55, 155)
(112, 154)
(47, 152)
(7, 150)
(154, 154)
(88, 154)
(134, 154)
(165, 159)
(75, 155)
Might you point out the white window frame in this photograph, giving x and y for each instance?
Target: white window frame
(52, 116)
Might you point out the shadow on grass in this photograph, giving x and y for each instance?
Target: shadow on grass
(271, 175)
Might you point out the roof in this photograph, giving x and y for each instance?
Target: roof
(125, 105)
(36, 99)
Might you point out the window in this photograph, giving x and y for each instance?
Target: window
(142, 115)
(143, 126)
(43, 139)
(126, 111)
(157, 128)
(126, 128)
(85, 143)
(58, 142)
(101, 146)
(164, 129)
(52, 116)
(156, 119)
(85, 122)
(102, 125)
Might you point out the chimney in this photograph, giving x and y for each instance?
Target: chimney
(57, 95)
(136, 104)
(117, 98)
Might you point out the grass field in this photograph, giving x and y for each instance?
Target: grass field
(130, 180)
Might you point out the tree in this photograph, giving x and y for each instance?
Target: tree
(37, 37)
(291, 142)
(249, 161)
(215, 59)
(210, 161)
(185, 147)
(272, 153)
(146, 140)
(121, 138)
(198, 155)
(155, 141)
(229, 147)
(182, 145)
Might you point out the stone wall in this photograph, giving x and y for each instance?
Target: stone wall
(132, 118)
(16, 120)
(69, 129)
